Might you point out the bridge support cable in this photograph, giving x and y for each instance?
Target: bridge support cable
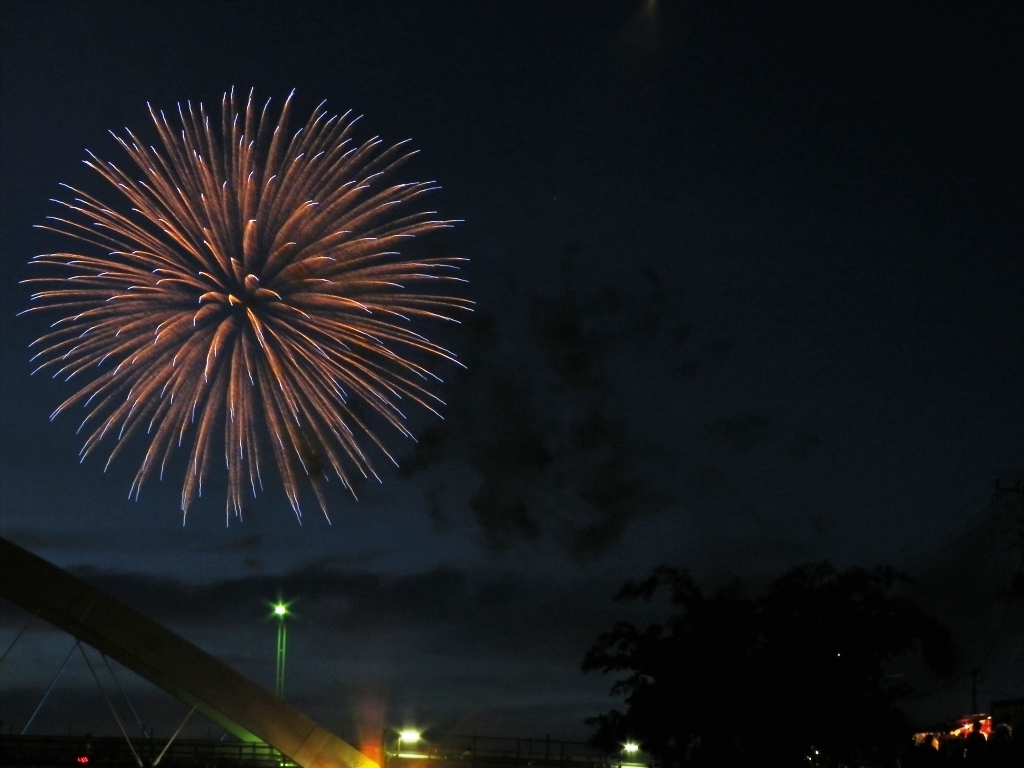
(49, 690)
(110, 706)
(174, 736)
(170, 662)
(127, 701)
(17, 637)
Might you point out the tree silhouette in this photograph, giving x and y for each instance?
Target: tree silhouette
(797, 674)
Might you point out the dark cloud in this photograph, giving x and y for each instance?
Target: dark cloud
(538, 420)
(60, 538)
(367, 597)
(451, 611)
(534, 417)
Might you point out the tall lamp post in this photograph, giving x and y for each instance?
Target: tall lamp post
(280, 611)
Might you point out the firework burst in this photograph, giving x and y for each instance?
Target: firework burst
(253, 287)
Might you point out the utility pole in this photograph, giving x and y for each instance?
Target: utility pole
(974, 691)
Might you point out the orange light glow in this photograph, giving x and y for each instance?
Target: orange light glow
(958, 729)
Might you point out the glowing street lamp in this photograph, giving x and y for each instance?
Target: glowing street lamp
(630, 752)
(408, 738)
(630, 755)
(280, 612)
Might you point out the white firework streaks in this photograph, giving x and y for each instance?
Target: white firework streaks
(254, 285)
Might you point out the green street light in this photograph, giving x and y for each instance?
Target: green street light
(280, 611)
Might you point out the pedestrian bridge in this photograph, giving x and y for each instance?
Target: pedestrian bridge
(440, 751)
(270, 730)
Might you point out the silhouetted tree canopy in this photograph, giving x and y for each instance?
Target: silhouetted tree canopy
(727, 678)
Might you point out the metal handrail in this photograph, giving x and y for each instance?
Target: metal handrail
(500, 751)
(114, 751)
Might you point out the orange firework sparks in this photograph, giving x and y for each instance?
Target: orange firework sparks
(255, 282)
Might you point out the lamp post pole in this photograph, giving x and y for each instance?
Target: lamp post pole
(408, 736)
(280, 611)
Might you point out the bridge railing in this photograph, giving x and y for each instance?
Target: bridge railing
(483, 751)
(86, 752)
(444, 751)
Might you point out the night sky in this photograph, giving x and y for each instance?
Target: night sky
(748, 283)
